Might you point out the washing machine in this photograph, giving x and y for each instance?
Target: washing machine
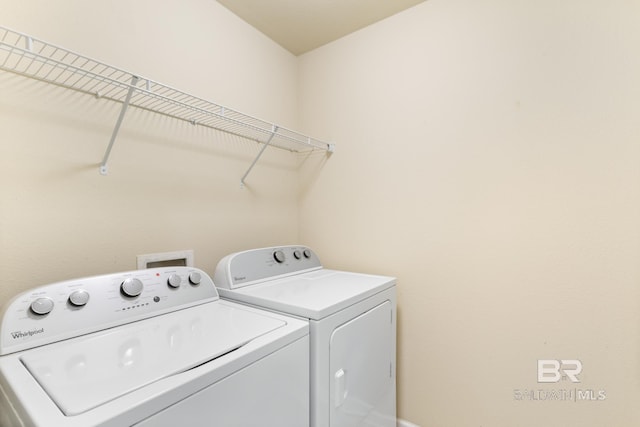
(154, 347)
(352, 319)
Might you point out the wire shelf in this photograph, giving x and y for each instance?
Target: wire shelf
(30, 57)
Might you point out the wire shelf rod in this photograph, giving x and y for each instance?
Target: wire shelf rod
(30, 57)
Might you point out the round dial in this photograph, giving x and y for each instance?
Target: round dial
(307, 253)
(279, 256)
(42, 306)
(79, 297)
(195, 278)
(174, 280)
(297, 254)
(131, 287)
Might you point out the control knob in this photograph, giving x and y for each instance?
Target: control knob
(195, 278)
(42, 306)
(279, 256)
(79, 298)
(174, 280)
(131, 287)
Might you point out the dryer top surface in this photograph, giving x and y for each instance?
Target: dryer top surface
(314, 295)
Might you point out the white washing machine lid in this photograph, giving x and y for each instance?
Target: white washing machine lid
(85, 372)
(314, 295)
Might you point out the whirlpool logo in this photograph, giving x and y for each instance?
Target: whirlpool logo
(26, 334)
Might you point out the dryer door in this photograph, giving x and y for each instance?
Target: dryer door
(362, 391)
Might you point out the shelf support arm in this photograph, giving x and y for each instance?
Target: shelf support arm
(274, 130)
(125, 105)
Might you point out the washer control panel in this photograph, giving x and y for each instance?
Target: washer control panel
(76, 307)
(250, 267)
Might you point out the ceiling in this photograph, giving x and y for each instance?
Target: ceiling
(303, 25)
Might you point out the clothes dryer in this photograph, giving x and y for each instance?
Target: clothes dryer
(352, 319)
(154, 347)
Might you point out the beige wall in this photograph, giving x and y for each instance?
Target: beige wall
(171, 186)
(489, 156)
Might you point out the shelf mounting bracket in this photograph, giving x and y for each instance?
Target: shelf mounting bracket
(116, 129)
(274, 131)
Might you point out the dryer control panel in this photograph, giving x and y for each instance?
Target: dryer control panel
(76, 307)
(256, 265)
